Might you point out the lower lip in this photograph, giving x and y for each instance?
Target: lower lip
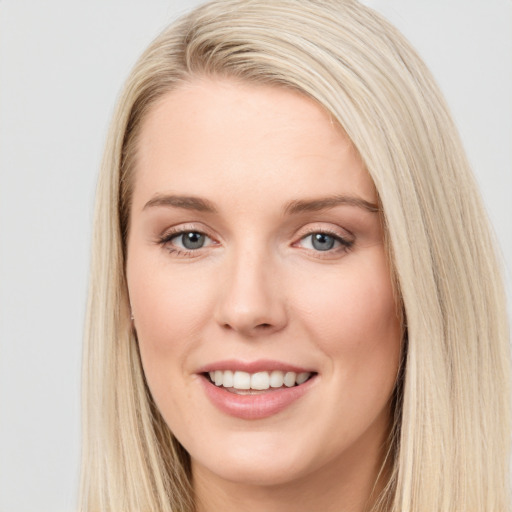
(254, 407)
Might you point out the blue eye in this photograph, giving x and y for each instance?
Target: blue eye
(188, 243)
(322, 241)
(189, 240)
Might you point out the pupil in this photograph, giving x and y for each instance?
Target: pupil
(193, 240)
(322, 242)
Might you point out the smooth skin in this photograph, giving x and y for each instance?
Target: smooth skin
(240, 248)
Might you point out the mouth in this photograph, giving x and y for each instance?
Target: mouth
(245, 383)
(256, 390)
(253, 390)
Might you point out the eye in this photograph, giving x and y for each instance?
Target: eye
(189, 240)
(324, 242)
(185, 242)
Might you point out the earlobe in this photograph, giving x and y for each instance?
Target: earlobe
(132, 324)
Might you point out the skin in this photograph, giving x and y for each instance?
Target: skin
(259, 289)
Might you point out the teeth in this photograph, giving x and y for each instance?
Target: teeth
(276, 379)
(302, 377)
(241, 380)
(227, 379)
(259, 380)
(289, 379)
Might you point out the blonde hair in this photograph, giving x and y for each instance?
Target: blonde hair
(450, 449)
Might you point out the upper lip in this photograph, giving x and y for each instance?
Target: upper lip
(260, 365)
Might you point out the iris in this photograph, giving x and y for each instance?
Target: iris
(322, 241)
(192, 240)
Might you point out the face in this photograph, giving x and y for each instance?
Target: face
(259, 285)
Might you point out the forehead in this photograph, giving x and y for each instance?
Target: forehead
(214, 136)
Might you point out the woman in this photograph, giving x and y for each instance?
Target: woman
(294, 303)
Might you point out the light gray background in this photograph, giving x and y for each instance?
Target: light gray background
(62, 64)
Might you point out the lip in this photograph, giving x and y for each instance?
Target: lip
(257, 406)
(261, 365)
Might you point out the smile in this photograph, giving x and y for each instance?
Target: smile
(240, 381)
(257, 390)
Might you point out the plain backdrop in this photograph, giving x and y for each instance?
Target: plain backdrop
(62, 63)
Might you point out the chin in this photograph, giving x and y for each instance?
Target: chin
(250, 473)
(258, 459)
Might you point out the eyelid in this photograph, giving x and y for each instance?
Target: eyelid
(345, 239)
(165, 238)
(171, 231)
(327, 228)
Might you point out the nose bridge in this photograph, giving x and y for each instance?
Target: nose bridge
(251, 302)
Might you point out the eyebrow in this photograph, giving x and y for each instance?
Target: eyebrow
(293, 207)
(185, 202)
(315, 205)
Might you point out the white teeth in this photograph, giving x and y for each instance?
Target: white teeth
(276, 379)
(227, 381)
(289, 379)
(258, 381)
(242, 380)
(302, 377)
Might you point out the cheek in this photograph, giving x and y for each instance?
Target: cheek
(169, 312)
(166, 318)
(166, 302)
(352, 316)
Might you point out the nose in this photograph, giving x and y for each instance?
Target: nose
(251, 301)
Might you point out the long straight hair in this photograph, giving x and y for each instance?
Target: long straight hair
(451, 438)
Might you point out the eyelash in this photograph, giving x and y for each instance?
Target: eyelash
(345, 244)
(165, 241)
